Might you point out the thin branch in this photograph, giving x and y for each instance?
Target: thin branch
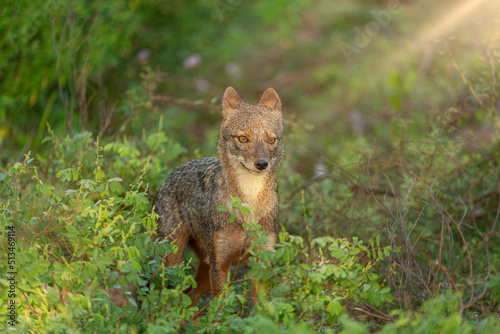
(464, 79)
(372, 314)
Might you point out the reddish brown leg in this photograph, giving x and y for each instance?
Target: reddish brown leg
(256, 287)
(218, 278)
(181, 240)
(202, 278)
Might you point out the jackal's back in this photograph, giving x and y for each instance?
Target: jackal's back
(189, 195)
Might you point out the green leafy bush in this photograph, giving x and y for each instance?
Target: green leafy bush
(85, 237)
(87, 259)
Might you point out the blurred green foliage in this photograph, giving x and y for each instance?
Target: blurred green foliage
(392, 120)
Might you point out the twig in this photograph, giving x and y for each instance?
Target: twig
(378, 311)
(51, 254)
(135, 111)
(419, 236)
(372, 315)
(443, 269)
(202, 310)
(464, 79)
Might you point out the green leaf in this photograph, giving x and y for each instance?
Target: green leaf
(317, 288)
(354, 251)
(68, 174)
(117, 179)
(232, 218)
(132, 301)
(87, 183)
(245, 209)
(387, 250)
(115, 187)
(334, 307)
(385, 290)
(222, 208)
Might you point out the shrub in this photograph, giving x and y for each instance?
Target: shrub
(85, 236)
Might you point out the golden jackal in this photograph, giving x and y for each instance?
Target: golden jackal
(250, 148)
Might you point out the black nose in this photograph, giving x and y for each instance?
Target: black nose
(260, 164)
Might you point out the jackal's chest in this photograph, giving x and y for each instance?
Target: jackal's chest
(254, 189)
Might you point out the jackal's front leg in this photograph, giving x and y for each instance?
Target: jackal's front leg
(218, 278)
(202, 278)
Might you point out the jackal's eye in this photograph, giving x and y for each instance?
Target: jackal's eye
(242, 139)
(271, 140)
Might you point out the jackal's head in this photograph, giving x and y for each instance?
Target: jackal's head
(251, 135)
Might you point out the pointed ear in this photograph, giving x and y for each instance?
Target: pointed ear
(270, 100)
(231, 100)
